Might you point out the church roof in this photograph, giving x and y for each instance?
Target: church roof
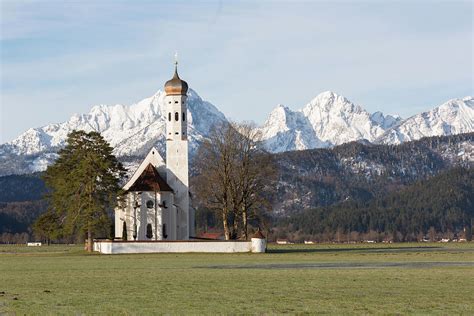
(150, 180)
(176, 86)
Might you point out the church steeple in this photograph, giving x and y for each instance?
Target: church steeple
(176, 86)
(177, 152)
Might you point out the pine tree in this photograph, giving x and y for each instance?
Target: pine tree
(47, 227)
(84, 184)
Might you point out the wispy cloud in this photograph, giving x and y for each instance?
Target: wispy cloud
(243, 56)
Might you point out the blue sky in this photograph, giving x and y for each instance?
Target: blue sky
(62, 57)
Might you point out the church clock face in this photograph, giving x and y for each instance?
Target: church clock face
(150, 204)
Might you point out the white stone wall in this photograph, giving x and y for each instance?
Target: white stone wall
(157, 216)
(176, 129)
(177, 161)
(259, 245)
(117, 247)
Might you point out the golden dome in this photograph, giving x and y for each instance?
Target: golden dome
(176, 86)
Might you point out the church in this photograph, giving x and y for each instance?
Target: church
(155, 204)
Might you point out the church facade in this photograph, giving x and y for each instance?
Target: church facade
(155, 204)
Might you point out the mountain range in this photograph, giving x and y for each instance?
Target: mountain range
(326, 121)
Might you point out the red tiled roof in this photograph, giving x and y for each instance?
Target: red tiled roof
(211, 235)
(150, 180)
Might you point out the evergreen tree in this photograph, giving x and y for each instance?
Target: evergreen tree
(47, 227)
(84, 184)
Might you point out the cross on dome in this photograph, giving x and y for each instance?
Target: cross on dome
(176, 86)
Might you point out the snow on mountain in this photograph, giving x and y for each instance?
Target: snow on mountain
(287, 130)
(453, 117)
(327, 120)
(131, 130)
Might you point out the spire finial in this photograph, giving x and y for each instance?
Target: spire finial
(176, 65)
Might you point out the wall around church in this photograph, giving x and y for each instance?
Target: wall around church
(115, 247)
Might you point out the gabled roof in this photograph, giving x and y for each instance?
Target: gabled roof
(155, 159)
(150, 180)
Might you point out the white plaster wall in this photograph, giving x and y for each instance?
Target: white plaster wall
(259, 245)
(117, 247)
(118, 222)
(102, 247)
(177, 162)
(176, 129)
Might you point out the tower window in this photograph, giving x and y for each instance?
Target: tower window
(169, 116)
(184, 116)
(176, 102)
(169, 102)
(176, 116)
(177, 133)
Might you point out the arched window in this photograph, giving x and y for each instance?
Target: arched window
(124, 231)
(184, 117)
(165, 235)
(176, 116)
(149, 231)
(169, 116)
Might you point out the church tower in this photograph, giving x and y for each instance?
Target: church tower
(177, 152)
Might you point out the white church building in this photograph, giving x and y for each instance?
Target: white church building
(156, 200)
(154, 214)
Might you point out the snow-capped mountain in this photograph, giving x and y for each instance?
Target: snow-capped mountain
(131, 130)
(327, 120)
(453, 117)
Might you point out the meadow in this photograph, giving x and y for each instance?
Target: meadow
(291, 279)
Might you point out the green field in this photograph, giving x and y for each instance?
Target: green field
(294, 279)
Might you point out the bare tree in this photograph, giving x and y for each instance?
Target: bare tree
(233, 175)
(254, 170)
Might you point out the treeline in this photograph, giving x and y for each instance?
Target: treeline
(442, 206)
(16, 219)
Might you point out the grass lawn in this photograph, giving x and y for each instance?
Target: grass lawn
(295, 279)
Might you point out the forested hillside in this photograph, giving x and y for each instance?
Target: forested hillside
(20, 204)
(18, 188)
(357, 173)
(360, 172)
(442, 206)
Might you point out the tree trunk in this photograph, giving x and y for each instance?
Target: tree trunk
(89, 239)
(235, 226)
(225, 224)
(468, 229)
(244, 223)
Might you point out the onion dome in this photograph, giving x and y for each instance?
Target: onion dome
(176, 86)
